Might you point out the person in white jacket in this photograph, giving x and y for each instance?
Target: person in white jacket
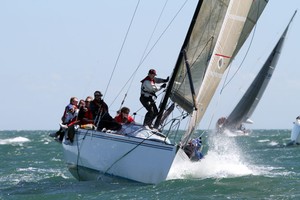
(148, 89)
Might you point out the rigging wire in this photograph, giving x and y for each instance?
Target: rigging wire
(128, 152)
(164, 31)
(148, 43)
(240, 65)
(125, 38)
(150, 50)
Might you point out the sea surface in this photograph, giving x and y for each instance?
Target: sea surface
(256, 166)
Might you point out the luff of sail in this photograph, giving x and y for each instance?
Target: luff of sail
(246, 106)
(198, 48)
(228, 43)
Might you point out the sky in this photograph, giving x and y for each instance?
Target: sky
(51, 50)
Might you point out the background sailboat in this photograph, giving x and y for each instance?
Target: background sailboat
(295, 133)
(244, 109)
(216, 33)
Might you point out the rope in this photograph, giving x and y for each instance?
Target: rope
(78, 154)
(127, 153)
(125, 38)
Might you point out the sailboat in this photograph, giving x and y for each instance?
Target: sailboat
(244, 109)
(217, 31)
(295, 133)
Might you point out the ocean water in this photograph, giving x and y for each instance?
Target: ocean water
(257, 166)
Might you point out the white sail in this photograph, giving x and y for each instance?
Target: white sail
(255, 11)
(228, 43)
(198, 48)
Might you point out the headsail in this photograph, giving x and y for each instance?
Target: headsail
(256, 9)
(246, 106)
(232, 35)
(198, 48)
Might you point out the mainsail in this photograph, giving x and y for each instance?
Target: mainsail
(246, 106)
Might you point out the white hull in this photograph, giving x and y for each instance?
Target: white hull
(141, 156)
(295, 134)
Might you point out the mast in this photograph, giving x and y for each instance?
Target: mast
(177, 66)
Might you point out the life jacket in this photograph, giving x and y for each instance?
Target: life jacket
(145, 92)
(68, 116)
(120, 120)
(98, 107)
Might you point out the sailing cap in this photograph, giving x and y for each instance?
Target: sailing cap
(152, 71)
(98, 93)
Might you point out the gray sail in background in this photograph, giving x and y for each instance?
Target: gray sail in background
(246, 106)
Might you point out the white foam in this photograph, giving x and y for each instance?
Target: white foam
(262, 141)
(212, 166)
(14, 140)
(224, 159)
(273, 143)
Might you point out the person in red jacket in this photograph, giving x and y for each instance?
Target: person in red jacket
(85, 115)
(123, 117)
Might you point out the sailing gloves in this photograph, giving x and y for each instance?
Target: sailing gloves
(163, 85)
(166, 80)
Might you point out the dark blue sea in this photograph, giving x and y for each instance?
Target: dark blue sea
(257, 166)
